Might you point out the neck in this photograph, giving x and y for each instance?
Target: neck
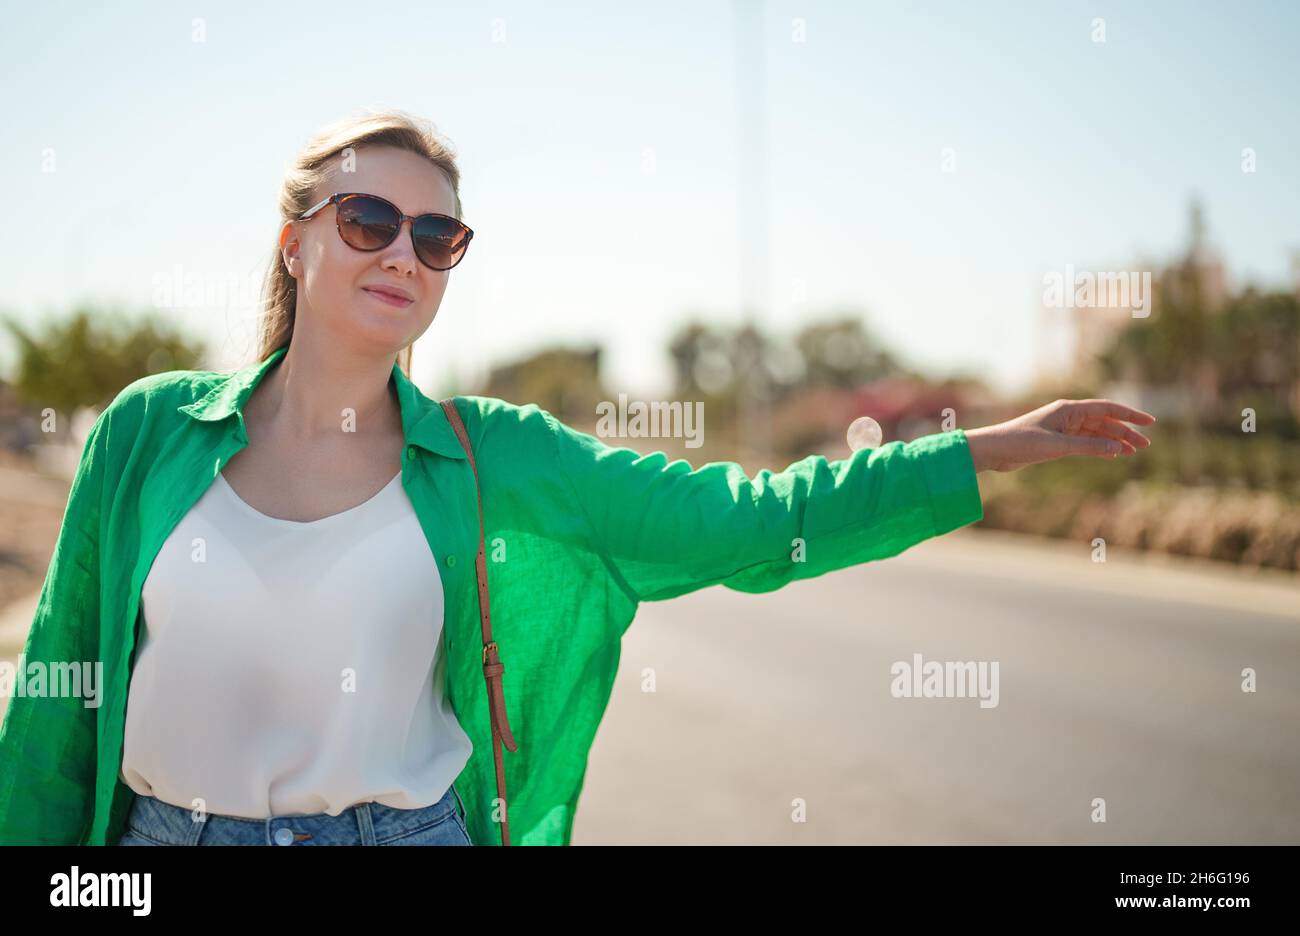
(312, 395)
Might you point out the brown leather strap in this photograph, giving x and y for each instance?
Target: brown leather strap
(492, 666)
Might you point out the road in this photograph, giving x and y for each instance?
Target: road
(1118, 680)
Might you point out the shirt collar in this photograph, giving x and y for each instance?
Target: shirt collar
(423, 421)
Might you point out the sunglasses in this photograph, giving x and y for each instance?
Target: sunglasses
(369, 223)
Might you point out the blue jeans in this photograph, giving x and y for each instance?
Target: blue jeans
(154, 822)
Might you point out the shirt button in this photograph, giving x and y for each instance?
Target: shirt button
(283, 837)
(451, 561)
(410, 451)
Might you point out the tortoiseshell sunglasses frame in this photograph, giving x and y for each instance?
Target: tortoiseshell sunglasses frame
(339, 197)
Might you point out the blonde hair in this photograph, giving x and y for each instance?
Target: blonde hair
(308, 171)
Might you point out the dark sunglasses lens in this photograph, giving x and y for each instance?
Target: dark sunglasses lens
(440, 242)
(367, 223)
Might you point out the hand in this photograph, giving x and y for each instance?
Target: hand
(1065, 427)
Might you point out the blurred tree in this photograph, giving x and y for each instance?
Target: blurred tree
(839, 352)
(704, 367)
(1244, 352)
(564, 381)
(702, 360)
(1256, 352)
(86, 358)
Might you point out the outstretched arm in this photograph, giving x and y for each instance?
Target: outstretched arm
(664, 528)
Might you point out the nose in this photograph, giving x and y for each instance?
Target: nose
(399, 256)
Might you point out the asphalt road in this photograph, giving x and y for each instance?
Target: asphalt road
(1120, 681)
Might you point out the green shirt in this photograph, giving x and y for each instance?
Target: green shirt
(578, 534)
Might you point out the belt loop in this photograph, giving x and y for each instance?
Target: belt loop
(196, 827)
(365, 823)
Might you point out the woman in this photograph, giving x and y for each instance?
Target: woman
(275, 569)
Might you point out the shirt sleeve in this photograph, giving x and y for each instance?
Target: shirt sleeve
(665, 528)
(47, 742)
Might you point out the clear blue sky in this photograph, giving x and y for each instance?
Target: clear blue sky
(169, 152)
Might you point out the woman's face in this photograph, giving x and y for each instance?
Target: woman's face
(333, 278)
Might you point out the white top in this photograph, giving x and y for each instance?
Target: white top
(290, 668)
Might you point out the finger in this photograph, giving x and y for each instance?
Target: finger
(1115, 434)
(1117, 430)
(1115, 410)
(1094, 445)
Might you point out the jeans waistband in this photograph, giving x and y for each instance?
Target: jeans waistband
(360, 824)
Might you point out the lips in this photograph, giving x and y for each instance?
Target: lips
(392, 296)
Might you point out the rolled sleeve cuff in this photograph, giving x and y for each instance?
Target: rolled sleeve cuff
(951, 479)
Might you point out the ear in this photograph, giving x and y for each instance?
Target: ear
(290, 246)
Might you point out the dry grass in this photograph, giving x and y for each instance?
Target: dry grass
(1252, 528)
